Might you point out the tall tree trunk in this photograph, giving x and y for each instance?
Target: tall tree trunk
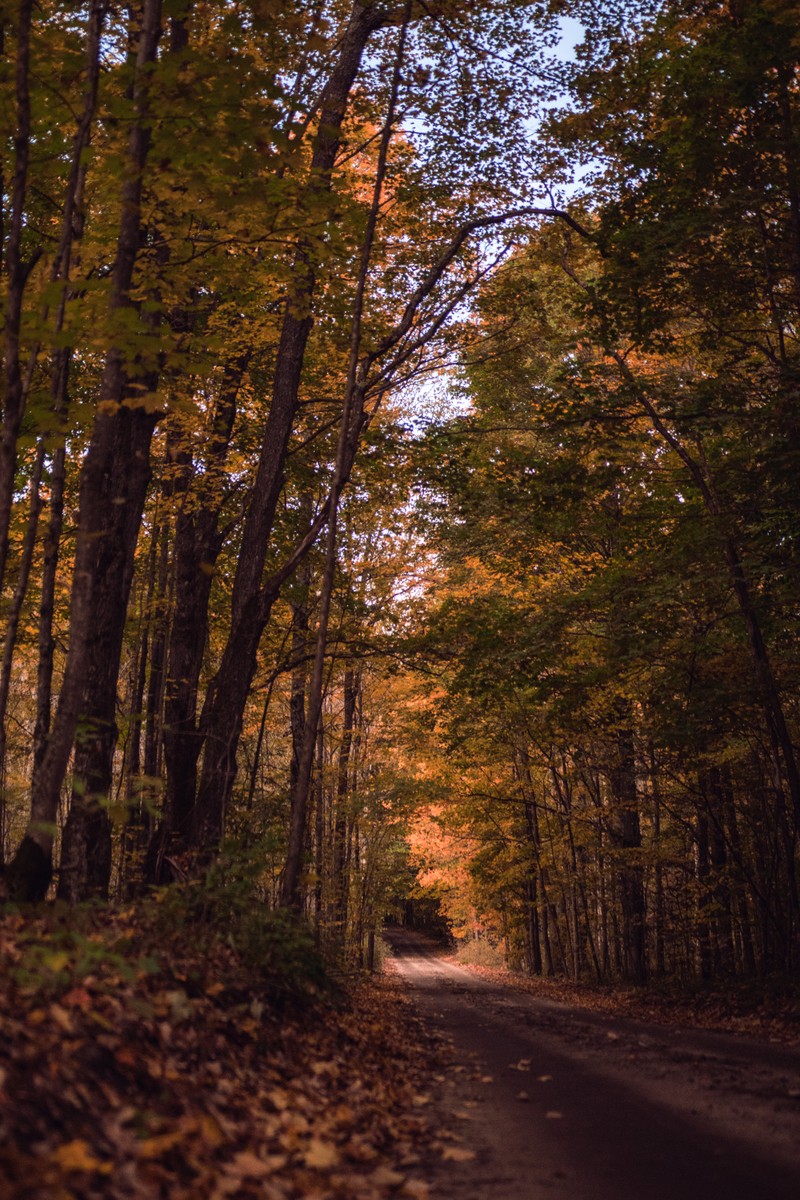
(300, 645)
(627, 834)
(72, 228)
(17, 271)
(319, 830)
(531, 893)
(702, 872)
(658, 873)
(198, 542)
(349, 429)
(159, 617)
(114, 479)
(340, 880)
(785, 763)
(223, 711)
(132, 764)
(12, 626)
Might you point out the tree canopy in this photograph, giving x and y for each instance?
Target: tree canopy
(398, 471)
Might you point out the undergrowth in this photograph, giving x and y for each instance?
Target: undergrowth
(215, 928)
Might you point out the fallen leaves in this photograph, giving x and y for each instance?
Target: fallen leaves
(135, 1084)
(742, 1010)
(76, 1156)
(321, 1155)
(458, 1154)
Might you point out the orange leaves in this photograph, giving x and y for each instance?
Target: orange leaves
(76, 1156)
(321, 1155)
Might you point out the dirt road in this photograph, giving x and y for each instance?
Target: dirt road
(558, 1102)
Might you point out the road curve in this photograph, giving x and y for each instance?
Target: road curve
(559, 1103)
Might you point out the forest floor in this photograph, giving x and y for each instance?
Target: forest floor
(157, 1054)
(141, 1061)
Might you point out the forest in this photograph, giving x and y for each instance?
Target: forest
(399, 540)
(399, 469)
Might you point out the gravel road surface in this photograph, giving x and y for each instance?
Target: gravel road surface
(560, 1102)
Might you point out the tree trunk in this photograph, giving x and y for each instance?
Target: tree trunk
(319, 830)
(197, 546)
(114, 479)
(627, 833)
(702, 872)
(339, 872)
(17, 272)
(223, 711)
(72, 228)
(12, 626)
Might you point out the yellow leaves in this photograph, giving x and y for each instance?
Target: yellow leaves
(154, 1147)
(76, 1156)
(210, 1131)
(56, 962)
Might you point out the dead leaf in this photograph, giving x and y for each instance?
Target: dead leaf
(321, 1155)
(62, 1018)
(386, 1177)
(76, 1156)
(246, 1165)
(324, 1068)
(457, 1154)
(417, 1189)
(154, 1147)
(77, 998)
(279, 1099)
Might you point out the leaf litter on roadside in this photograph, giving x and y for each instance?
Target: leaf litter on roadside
(174, 1079)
